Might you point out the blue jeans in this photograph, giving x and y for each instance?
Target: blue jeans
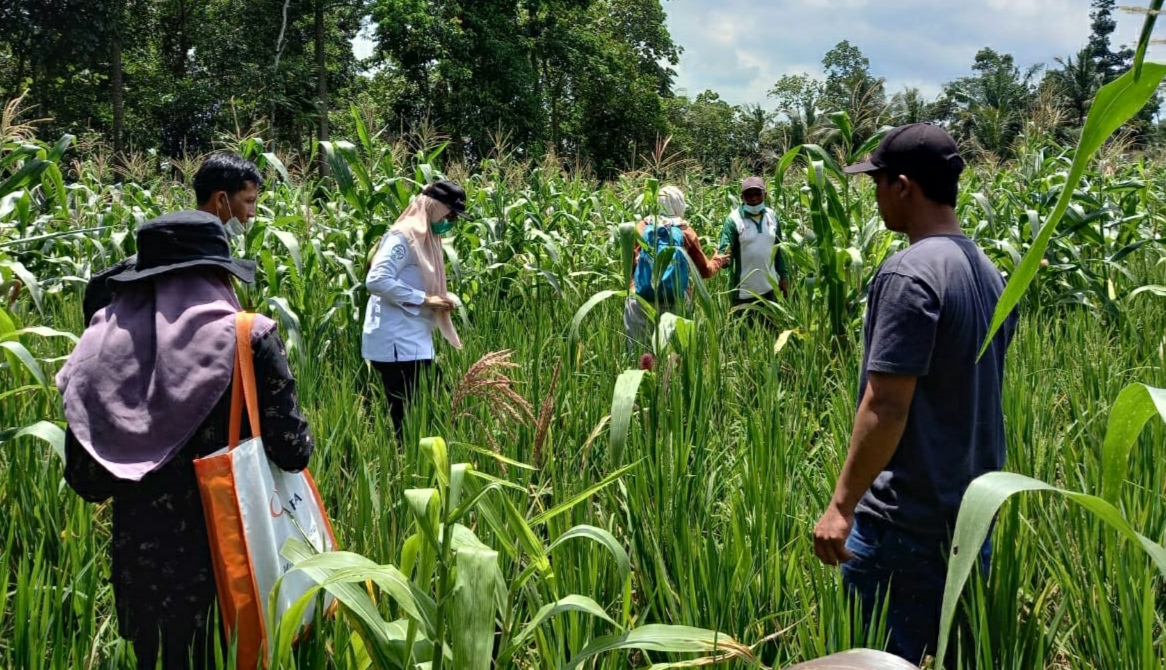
(910, 572)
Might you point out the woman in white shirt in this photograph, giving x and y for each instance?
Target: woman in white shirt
(408, 295)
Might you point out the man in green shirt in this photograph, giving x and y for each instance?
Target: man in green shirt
(750, 237)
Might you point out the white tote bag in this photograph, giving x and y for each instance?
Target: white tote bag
(252, 507)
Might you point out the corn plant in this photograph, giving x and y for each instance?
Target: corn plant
(450, 588)
(701, 478)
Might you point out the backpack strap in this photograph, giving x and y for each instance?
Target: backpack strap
(648, 224)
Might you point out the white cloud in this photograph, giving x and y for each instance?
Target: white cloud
(739, 48)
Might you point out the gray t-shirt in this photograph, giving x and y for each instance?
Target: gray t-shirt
(929, 309)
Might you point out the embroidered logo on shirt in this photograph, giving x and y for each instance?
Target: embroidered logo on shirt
(397, 253)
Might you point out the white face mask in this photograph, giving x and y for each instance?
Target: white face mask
(754, 209)
(233, 226)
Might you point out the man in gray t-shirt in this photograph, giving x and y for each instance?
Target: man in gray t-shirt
(929, 417)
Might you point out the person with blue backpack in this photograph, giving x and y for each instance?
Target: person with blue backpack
(669, 287)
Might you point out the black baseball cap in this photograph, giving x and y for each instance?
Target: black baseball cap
(449, 194)
(914, 149)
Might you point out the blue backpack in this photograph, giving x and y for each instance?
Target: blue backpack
(674, 280)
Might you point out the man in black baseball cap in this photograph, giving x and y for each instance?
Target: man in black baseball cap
(929, 418)
(924, 155)
(917, 147)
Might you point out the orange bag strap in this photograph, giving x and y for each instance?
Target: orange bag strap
(243, 387)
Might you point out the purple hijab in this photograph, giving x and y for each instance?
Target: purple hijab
(150, 368)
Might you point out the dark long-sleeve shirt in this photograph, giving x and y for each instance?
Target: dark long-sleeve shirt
(162, 573)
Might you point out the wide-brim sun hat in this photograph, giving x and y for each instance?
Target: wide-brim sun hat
(181, 241)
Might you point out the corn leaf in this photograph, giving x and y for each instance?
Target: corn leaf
(581, 496)
(582, 312)
(623, 401)
(473, 608)
(571, 603)
(26, 359)
(666, 638)
(1133, 408)
(981, 502)
(1113, 105)
(604, 538)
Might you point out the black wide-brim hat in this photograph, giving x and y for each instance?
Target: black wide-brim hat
(180, 241)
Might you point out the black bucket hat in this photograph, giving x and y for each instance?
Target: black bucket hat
(184, 240)
(449, 194)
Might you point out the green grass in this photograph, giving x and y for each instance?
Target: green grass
(736, 447)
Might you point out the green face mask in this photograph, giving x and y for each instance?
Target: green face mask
(441, 227)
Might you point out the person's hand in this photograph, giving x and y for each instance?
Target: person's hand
(439, 303)
(830, 536)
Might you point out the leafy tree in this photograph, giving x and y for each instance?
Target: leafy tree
(754, 139)
(578, 76)
(799, 98)
(850, 87)
(58, 51)
(613, 64)
(702, 129)
(1108, 63)
(173, 74)
(989, 107)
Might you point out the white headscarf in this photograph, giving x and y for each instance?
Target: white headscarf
(671, 201)
(426, 245)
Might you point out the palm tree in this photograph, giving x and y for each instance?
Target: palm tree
(907, 106)
(1076, 82)
(992, 105)
(752, 123)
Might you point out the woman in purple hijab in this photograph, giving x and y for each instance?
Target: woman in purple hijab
(147, 391)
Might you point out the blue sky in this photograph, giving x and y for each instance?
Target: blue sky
(739, 48)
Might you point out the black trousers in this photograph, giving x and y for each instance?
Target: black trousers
(177, 647)
(400, 380)
(752, 316)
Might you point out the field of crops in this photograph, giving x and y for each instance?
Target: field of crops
(615, 499)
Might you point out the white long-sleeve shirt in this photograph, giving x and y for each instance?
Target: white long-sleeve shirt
(396, 326)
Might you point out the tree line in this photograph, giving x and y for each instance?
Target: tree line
(987, 110)
(591, 81)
